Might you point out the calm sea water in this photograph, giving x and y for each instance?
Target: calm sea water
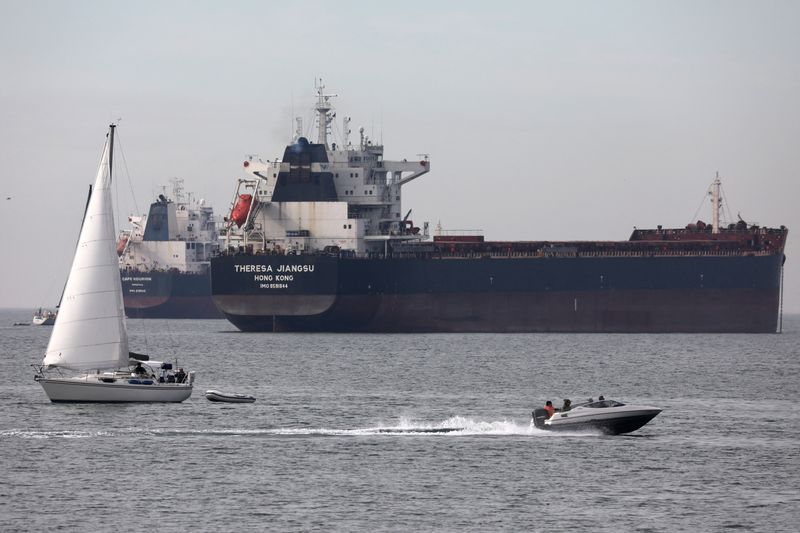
(310, 455)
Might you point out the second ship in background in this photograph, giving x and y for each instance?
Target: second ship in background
(164, 258)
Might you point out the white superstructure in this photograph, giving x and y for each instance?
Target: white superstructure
(325, 196)
(179, 233)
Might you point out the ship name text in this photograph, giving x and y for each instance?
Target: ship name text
(268, 268)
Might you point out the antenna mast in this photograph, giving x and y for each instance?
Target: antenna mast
(716, 203)
(323, 106)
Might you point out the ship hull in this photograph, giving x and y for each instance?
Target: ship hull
(686, 294)
(158, 294)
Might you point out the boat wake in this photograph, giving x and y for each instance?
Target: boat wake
(457, 426)
(454, 426)
(54, 434)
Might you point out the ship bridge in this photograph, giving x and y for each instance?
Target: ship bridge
(324, 195)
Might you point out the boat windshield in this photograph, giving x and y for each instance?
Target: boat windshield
(605, 403)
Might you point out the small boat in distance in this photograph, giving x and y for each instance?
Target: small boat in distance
(87, 358)
(44, 317)
(230, 397)
(608, 416)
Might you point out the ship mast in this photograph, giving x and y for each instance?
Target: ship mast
(716, 203)
(177, 189)
(323, 107)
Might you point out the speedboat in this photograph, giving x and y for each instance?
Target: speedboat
(609, 416)
(230, 397)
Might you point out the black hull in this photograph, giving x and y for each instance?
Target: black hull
(168, 295)
(618, 427)
(699, 294)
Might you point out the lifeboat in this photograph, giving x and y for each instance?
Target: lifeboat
(241, 209)
(121, 244)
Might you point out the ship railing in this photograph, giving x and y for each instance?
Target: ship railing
(458, 232)
(750, 230)
(670, 253)
(478, 254)
(641, 253)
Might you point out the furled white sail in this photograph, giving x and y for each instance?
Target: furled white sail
(90, 330)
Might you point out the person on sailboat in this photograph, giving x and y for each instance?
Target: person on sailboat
(180, 376)
(139, 370)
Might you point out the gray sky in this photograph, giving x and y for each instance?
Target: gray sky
(543, 120)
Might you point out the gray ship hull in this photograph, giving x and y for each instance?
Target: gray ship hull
(159, 294)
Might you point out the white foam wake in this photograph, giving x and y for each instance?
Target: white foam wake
(453, 426)
(51, 434)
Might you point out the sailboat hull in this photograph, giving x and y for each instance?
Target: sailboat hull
(90, 390)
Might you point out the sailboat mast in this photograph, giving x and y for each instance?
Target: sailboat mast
(111, 150)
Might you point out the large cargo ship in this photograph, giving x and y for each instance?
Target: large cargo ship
(164, 258)
(316, 241)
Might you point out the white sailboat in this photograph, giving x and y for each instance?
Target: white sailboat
(87, 358)
(43, 317)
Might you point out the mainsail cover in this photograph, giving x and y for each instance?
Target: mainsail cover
(89, 332)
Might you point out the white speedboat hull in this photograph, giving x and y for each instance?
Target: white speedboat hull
(230, 397)
(121, 390)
